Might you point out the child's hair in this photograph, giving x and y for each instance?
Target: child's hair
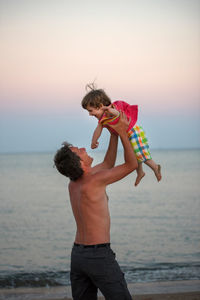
(95, 97)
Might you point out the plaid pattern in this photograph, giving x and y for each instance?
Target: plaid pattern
(139, 143)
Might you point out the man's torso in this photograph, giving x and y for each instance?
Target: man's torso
(90, 208)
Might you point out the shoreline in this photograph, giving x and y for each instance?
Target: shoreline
(164, 290)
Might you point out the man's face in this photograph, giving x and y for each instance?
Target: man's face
(82, 153)
(95, 111)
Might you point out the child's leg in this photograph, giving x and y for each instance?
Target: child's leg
(156, 168)
(140, 173)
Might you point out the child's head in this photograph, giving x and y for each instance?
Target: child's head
(95, 98)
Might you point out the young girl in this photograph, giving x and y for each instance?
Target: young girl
(99, 105)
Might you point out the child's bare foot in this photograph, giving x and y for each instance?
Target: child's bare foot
(139, 177)
(158, 173)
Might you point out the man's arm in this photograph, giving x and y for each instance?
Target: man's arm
(108, 176)
(110, 156)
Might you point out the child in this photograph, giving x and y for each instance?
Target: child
(99, 105)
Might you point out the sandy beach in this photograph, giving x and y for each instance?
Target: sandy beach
(179, 296)
(174, 296)
(167, 290)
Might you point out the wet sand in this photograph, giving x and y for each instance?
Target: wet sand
(180, 296)
(176, 296)
(170, 290)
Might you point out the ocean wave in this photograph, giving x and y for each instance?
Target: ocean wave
(152, 272)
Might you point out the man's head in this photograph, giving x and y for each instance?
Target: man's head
(68, 162)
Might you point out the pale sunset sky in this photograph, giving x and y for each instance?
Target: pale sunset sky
(145, 52)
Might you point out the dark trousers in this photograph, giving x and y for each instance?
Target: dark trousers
(96, 268)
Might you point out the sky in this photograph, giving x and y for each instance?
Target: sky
(145, 52)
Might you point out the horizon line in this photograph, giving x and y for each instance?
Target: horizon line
(99, 150)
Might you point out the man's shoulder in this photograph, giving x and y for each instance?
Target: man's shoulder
(98, 170)
(86, 180)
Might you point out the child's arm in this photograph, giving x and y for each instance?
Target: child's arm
(96, 135)
(111, 110)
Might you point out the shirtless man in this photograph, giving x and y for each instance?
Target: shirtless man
(93, 263)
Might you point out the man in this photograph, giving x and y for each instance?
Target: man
(93, 263)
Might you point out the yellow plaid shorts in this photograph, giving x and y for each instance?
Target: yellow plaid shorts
(139, 142)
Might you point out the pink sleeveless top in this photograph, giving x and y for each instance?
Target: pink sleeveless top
(131, 111)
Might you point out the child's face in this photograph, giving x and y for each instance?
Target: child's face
(95, 111)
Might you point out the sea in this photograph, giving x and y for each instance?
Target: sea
(155, 227)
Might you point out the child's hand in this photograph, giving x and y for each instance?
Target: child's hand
(111, 110)
(94, 144)
(105, 108)
(122, 125)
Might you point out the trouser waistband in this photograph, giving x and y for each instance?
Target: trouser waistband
(92, 246)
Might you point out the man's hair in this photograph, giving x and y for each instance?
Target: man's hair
(68, 163)
(95, 98)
